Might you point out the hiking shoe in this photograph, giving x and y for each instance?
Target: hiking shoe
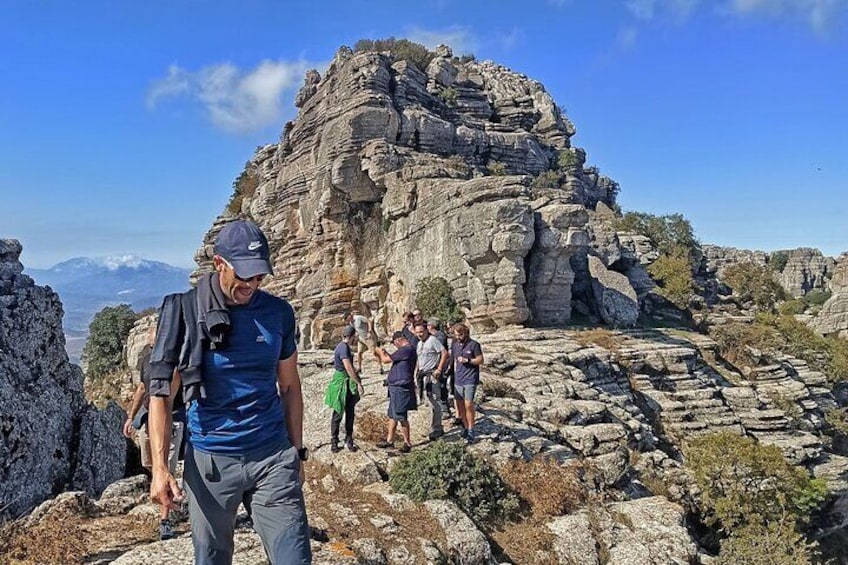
(470, 437)
(334, 447)
(464, 433)
(350, 445)
(385, 445)
(457, 422)
(406, 448)
(435, 434)
(166, 530)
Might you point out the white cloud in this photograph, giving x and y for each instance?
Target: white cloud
(459, 38)
(818, 14)
(234, 99)
(647, 10)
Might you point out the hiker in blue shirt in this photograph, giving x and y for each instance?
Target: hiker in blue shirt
(401, 385)
(233, 348)
(467, 356)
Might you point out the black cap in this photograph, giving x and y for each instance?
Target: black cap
(398, 335)
(348, 331)
(245, 247)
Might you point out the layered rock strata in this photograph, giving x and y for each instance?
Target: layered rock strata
(50, 438)
(391, 173)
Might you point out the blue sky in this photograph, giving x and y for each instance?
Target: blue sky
(123, 124)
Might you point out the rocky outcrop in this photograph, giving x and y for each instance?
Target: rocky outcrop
(50, 438)
(832, 319)
(806, 269)
(391, 173)
(797, 270)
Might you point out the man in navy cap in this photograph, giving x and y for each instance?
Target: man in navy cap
(232, 348)
(401, 384)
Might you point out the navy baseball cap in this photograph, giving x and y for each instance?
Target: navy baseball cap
(398, 335)
(245, 247)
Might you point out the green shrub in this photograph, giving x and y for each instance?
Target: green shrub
(816, 297)
(401, 49)
(734, 339)
(447, 471)
(673, 274)
(667, 233)
(243, 187)
(496, 168)
(775, 543)
(754, 283)
(771, 333)
(104, 349)
(434, 296)
(792, 307)
(448, 96)
(746, 483)
(566, 159)
(548, 179)
(777, 261)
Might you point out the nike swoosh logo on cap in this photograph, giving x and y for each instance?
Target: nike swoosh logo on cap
(254, 245)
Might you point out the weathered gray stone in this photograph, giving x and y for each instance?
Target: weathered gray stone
(617, 302)
(466, 544)
(46, 442)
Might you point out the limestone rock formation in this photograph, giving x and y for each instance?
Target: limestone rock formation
(50, 438)
(803, 269)
(391, 173)
(832, 319)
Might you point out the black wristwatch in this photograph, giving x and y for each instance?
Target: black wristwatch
(303, 453)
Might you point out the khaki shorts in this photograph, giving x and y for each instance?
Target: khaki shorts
(177, 432)
(361, 346)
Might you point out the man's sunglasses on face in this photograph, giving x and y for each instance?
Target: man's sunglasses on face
(257, 278)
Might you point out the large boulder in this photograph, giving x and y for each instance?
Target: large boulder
(50, 438)
(617, 302)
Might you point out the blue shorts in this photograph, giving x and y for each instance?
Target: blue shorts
(465, 392)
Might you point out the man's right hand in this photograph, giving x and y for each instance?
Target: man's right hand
(128, 428)
(165, 491)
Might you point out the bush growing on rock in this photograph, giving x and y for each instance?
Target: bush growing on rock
(744, 483)
(775, 543)
(434, 296)
(447, 471)
(777, 261)
(792, 307)
(107, 333)
(816, 297)
(243, 187)
(401, 49)
(782, 334)
(754, 283)
(673, 274)
(667, 233)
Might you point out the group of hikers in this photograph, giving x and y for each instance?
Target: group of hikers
(426, 364)
(222, 366)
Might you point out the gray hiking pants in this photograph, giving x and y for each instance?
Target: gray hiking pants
(268, 482)
(434, 395)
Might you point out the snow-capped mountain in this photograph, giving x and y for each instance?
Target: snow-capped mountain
(86, 285)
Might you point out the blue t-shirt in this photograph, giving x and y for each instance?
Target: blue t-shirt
(242, 411)
(403, 366)
(341, 353)
(466, 373)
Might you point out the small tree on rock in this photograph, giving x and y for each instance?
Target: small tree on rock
(104, 350)
(434, 296)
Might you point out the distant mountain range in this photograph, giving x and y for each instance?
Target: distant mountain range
(87, 285)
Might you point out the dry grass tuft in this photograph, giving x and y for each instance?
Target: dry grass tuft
(600, 337)
(370, 427)
(549, 488)
(500, 389)
(56, 539)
